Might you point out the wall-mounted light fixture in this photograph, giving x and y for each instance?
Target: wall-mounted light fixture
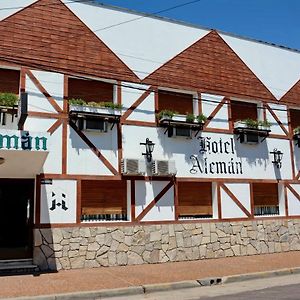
(149, 149)
(277, 160)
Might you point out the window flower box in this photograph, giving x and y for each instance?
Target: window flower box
(252, 131)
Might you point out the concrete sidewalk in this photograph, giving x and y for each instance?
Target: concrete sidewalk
(74, 281)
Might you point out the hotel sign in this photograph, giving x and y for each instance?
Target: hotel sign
(207, 163)
(23, 140)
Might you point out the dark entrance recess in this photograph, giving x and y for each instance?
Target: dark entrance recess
(16, 211)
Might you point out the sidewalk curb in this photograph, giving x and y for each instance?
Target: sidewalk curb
(153, 288)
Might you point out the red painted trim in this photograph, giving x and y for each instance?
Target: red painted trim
(219, 199)
(286, 201)
(132, 194)
(78, 208)
(66, 94)
(154, 201)
(23, 80)
(139, 123)
(236, 200)
(176, 200)
(37, 114)
(64, 146)
(55, 126)
(251, 200)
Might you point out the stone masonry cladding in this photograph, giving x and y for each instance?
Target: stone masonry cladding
(92, 247)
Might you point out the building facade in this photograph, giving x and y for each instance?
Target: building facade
(141, 140)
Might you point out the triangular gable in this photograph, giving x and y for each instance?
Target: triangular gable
(210, 65)
(48, 35)
(293, 95)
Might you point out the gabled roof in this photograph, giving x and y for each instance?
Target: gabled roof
(293, 95)
(48, 35)
(210, 65)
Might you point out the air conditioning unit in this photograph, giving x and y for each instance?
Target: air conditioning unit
(164, 168)
(249, 138)
(185, 132)
(92, 124)
(133, 166)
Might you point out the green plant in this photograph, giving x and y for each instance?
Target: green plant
(166, 113)
(8, 99)
(251, 123)
(190, 118)
(201, 118)
(264, 123)
(77, 101)
(297, 130)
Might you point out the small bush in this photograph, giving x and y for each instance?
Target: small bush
(81, 102)
(190, 118)
(166, 113)
(251, 123)
(265, 123)
(8, 99)
(201, 118)
(297, 130)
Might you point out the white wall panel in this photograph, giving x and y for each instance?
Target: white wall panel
(81, 159)
(242, 192)
(53, 209)
(293, 202)
(281, 112)
(53, 84)
(146, 192)
(229, 207)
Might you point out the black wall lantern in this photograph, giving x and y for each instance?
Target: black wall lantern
(149, 149)
(277, 160)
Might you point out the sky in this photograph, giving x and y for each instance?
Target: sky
(273, 21)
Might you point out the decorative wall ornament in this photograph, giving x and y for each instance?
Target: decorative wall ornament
(56, 203)
(277, 160)
(149, 149)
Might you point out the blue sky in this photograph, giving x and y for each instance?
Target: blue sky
(275, 21)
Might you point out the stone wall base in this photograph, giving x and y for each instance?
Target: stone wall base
(92, 247)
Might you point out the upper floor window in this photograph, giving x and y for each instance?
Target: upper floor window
(9, 81)
(243, 110)
(91, 90)
(180, 103)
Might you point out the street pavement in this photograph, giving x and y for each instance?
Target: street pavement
(133, 280)
(276, 288)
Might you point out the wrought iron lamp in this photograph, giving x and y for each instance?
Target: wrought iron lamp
(149, 149)
(277, 160)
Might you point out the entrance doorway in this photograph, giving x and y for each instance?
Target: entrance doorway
(16, 218)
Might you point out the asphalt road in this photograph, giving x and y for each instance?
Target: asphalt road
(283, 287)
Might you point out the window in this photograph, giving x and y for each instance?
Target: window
(9, 81)
(243, 110)
(103, 200)
(295, 118)
(179, 102)
(91, 90)
(266, 201)
(195, 200)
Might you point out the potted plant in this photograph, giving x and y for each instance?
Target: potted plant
(264, 125)
(77, 104)
(190, 118)
(166, 114)
(297, 131)
(201, 118)
(8, 100)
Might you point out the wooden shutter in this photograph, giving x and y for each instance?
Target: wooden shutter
(9, 81)
(195, 198)
(103, 197)
(265, 194)
(181, 103)
(90, 90)
(295, 118)
(243, 110)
